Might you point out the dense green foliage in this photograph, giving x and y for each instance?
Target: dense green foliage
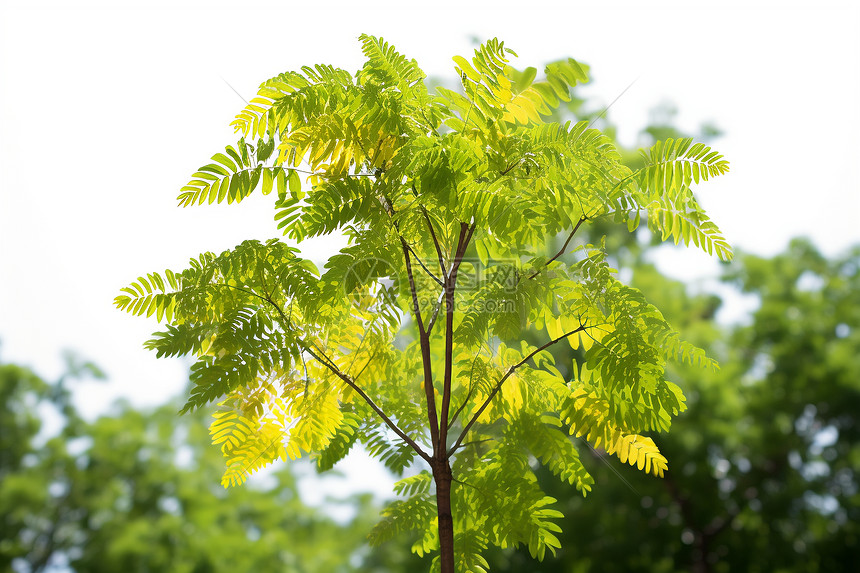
(770, 444)
(412, 339)
(137, 491)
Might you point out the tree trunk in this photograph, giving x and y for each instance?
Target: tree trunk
(442, 477)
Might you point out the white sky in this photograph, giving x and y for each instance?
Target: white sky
(106, 108)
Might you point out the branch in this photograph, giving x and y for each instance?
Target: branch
(357, 350)
(435, 241)
(416, 309)
(423, 266)
(250, 292)
(389, 210)
(511, 166)
(501, 381)
(435, 314)
(267, 298)
(331, 366)
(468, 396)
(466, 231)
(424, 339)
(459, 258)
(366, 364)
(474, 442)
(329, 363)
(307, 172)
(582, 219)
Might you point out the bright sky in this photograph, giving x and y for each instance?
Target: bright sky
(107, 107)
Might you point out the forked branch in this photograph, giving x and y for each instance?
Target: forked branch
(435, 242)
(321, 357)
(326, 361)
(501, 381)
(466, 231)
(424, 341)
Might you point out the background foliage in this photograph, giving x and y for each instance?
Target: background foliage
(138, 491)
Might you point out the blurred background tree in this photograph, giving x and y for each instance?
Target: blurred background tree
(139, 491)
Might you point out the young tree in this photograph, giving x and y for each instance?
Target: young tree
(409, 340)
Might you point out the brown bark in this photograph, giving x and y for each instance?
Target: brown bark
(442, 477)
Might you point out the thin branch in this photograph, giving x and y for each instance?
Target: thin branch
(608, 464)
(424, 339)
(435, 241)
(423, 266)
(460, 409)
(416, 308)
(241, 97)
(250, 292)
(321, 357)
(466, 231)
(582, 219)
(613, 103)
(424, 115)
(436, 307)
(360, 344)
(389, 210)
(366, 364)
(481, 491)
(468, 395)
(286, 321)
(475, 442)
(305, 369)
(501, 381)
(466, 242)
(330, 365)
(476, 488)
(508, 169)
(309, 172)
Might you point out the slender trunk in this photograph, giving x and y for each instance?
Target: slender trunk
(441, 464)
(429, 392)
(442, 477)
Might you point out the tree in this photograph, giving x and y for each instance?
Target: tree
(410, 341)
(137, 491)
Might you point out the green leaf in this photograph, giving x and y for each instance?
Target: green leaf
(225, 161)
(267, 181)
(465, 67)
(295, 183)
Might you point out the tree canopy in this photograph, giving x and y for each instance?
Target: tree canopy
(411, 339)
